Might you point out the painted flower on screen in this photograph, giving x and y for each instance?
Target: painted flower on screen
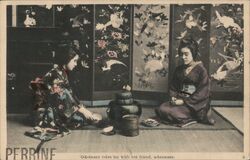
(59, 8)
(112, 54)
(123, 47)
(29, 21)
(100, 26)
(116, 19)
(116, 35)
(191, 22)
(48, 6)
(102, 44)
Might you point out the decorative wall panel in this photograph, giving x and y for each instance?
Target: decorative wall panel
(191, 21)
(226, 48)
(151, 48)
(112, 47)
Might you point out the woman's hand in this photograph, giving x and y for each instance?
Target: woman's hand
(89, 115)
(179, 102)
(175, 101)
(86, 113)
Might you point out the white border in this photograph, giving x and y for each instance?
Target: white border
(217, 155)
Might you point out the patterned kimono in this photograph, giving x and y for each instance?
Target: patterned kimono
(61, 105)
(55, 104)
(192, 85)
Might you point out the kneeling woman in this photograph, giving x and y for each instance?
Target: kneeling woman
(58, 108)
(189, 90)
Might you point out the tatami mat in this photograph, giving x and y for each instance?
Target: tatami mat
(150, 140)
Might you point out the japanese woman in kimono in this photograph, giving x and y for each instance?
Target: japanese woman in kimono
(189, 90)
(61, 108)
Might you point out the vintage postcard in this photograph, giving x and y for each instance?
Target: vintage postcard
(128, 80)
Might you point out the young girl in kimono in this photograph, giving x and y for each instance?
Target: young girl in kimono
(189, 90)
(58, 107)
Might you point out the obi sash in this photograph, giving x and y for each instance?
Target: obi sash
(188, 89)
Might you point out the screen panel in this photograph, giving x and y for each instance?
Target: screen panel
(151, 48)
(227, 48)
(112, 47)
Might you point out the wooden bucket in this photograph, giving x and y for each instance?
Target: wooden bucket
(130, 125)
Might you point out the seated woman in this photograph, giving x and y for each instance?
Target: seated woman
(58, 108)
(189, 90)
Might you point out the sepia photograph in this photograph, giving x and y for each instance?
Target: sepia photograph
(131, 80)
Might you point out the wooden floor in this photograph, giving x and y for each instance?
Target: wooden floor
(148, 140)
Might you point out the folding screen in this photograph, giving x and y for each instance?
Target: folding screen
(226, 48)
(151, 48)
(127, 44)
(112, 47)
